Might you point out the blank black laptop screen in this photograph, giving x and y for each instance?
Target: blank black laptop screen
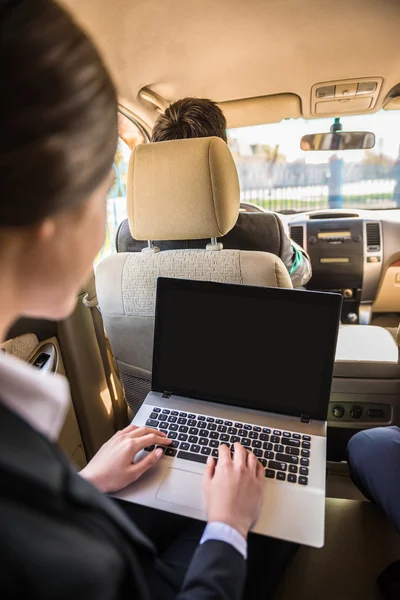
(261, 348)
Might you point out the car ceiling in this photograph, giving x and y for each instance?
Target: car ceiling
(234, 49)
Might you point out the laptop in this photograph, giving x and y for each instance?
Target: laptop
(235, 363)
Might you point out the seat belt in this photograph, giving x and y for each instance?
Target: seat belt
(114, 383)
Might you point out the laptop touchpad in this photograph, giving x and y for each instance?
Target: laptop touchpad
(182, 487)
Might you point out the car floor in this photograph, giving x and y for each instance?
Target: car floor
(359, 544)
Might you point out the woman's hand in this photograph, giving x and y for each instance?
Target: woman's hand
(112, 468)
(233, 489)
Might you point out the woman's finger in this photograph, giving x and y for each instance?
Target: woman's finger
(240, 455)
(260, 471)
(137, 469)
(140, 431)
(252, 462)
(209, 470)
(148, 440)
(224, 455)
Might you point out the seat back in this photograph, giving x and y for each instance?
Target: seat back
(126, 285)
(161, 207)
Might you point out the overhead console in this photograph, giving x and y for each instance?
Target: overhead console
(346, 256)
(335, 98)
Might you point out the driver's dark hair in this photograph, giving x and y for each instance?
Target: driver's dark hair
(190, 118)
(58, 113)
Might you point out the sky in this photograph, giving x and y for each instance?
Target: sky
(385, 125)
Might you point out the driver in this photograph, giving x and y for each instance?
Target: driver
(200, 117)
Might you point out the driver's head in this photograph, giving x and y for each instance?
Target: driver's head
(190, 118)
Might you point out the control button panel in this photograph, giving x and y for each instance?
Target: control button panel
(346, 89)
(362, 413)
(46, 357)
(347, 95)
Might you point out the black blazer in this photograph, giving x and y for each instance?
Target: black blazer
(61, 539)
(263, 232)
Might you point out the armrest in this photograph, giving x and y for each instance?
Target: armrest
(366, 351)
(366, 343)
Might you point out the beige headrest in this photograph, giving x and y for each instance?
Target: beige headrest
(182, 189)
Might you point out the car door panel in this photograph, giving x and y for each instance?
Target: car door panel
(46, 355)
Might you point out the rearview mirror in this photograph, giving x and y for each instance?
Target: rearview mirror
(338, 140)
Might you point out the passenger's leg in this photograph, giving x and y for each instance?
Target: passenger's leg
(374, 460)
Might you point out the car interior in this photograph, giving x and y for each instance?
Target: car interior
(311, 94)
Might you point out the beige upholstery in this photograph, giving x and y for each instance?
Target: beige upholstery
(21, 346)
(239, 49)
(182, 189)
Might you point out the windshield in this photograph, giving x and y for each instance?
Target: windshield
(276, 174)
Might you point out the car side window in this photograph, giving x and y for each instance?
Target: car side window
(130, 135)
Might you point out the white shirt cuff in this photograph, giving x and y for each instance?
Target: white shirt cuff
(225, 533)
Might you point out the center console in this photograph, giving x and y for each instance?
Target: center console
(346, 257)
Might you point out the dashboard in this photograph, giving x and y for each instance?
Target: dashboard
(357, 253)
(354, 252)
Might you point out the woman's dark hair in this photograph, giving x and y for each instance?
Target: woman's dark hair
(58, 113)
(190, 118)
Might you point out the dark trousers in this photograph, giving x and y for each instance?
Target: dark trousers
(176, 539)
(374, 460)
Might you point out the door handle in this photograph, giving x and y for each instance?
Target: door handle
(45, 358)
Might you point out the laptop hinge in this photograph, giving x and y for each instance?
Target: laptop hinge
(166, 394)
(305, 419)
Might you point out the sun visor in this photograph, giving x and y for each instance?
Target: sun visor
(260, 110)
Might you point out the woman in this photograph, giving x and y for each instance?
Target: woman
(60, 537)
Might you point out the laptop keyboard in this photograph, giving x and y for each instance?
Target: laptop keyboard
(284, 455)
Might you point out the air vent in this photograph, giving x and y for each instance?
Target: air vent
(373, 237)
(297, 234)
(333, 216)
